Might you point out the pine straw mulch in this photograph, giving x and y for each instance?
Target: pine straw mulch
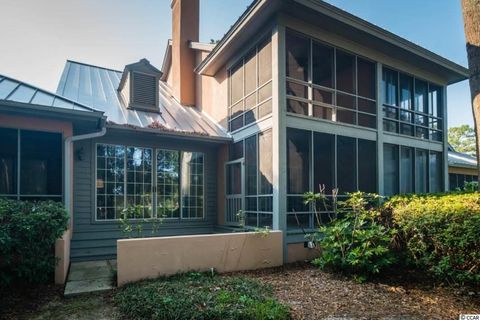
(313, 294)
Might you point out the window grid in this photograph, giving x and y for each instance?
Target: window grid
(258, 206)
(139, 181)
(192, 197)
(301, 215)
(256, 103)
(407, 119)
(327, 105)
(168, 184)
(110, 182)
(118, 171)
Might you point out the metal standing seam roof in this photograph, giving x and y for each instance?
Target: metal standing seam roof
(97, 87)
(18, 91)
(457, 159)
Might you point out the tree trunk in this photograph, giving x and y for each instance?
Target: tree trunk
(471, 19)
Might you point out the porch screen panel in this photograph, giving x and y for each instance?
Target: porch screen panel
(8, 162)
(192, 184)
(168, 184)
(421, 171)
(265, 198)
(390, 164)
(436, 172)
(406, 169)
(367, 166)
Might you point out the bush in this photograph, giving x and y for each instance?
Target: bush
(28, 232)
(440, 233)
(355, 241)
(199, 296)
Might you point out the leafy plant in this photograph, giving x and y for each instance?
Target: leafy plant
(355, 241)
(440, 233)
(199, 296)
(28, 232)
(133, 224)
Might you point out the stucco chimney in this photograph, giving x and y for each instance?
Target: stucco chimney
(185, 25)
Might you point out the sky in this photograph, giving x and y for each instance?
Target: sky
(38, 36)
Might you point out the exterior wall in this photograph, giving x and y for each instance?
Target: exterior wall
(298, 252)
(461, 170)
(97, 239)
(212, 93)
(149, 258)
(62, 252)
(62, 245)
(282, 120)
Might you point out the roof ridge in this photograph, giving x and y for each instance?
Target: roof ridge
(94, 66)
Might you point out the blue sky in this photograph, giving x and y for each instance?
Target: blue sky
(38, 36)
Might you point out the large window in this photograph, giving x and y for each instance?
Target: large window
(328, 83)
(30, 165)
(126, 176)
(411, 106)
(250, 90)
(257, 154)
(408, 170)
(457, 180)
(323, 161)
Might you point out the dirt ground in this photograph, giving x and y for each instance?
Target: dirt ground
(311, 294)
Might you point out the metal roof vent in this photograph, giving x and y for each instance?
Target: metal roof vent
(139, 86)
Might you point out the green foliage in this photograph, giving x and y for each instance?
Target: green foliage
(28, 232)
(470, 186)
(133, 224)
(355, 241)
(462, 139)
(440, 233)
(199, 296)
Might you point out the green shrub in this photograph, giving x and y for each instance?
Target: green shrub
(355, 241)
(28, 232)
(440, 233)
(199, 296)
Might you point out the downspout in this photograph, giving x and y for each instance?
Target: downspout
(68, 166)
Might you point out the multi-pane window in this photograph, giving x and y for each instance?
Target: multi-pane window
(168, 184)
(251, 87)
(258, 199)
(110, 182)
(139, 180)
(327, 83)
(457, 181)
(30, 165)
(126, 176)
(408, 170)
(192, 184)
(411, 106)
(320, 160)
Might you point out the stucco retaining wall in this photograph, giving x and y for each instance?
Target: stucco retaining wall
(152, 257)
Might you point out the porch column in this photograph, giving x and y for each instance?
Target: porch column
(279, 134)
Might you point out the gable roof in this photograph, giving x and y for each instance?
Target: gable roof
(97, 87)
(24, 95)
(336, 20)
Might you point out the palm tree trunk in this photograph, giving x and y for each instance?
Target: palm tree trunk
(471, 19)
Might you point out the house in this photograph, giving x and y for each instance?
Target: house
(298, 94)
(462, 168)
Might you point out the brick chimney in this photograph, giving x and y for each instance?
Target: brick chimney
(185, 25)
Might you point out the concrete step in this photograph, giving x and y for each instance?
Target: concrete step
(90, 276)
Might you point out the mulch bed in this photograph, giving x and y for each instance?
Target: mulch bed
(314, 294)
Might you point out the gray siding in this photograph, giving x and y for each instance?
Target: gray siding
(97, 240)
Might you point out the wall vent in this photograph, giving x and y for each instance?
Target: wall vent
(144, 90)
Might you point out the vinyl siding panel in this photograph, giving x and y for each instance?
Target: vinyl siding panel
(97, 239)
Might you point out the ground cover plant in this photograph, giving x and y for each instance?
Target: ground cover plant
(199, 296)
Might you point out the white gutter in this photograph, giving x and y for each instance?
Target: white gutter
(68, 166)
